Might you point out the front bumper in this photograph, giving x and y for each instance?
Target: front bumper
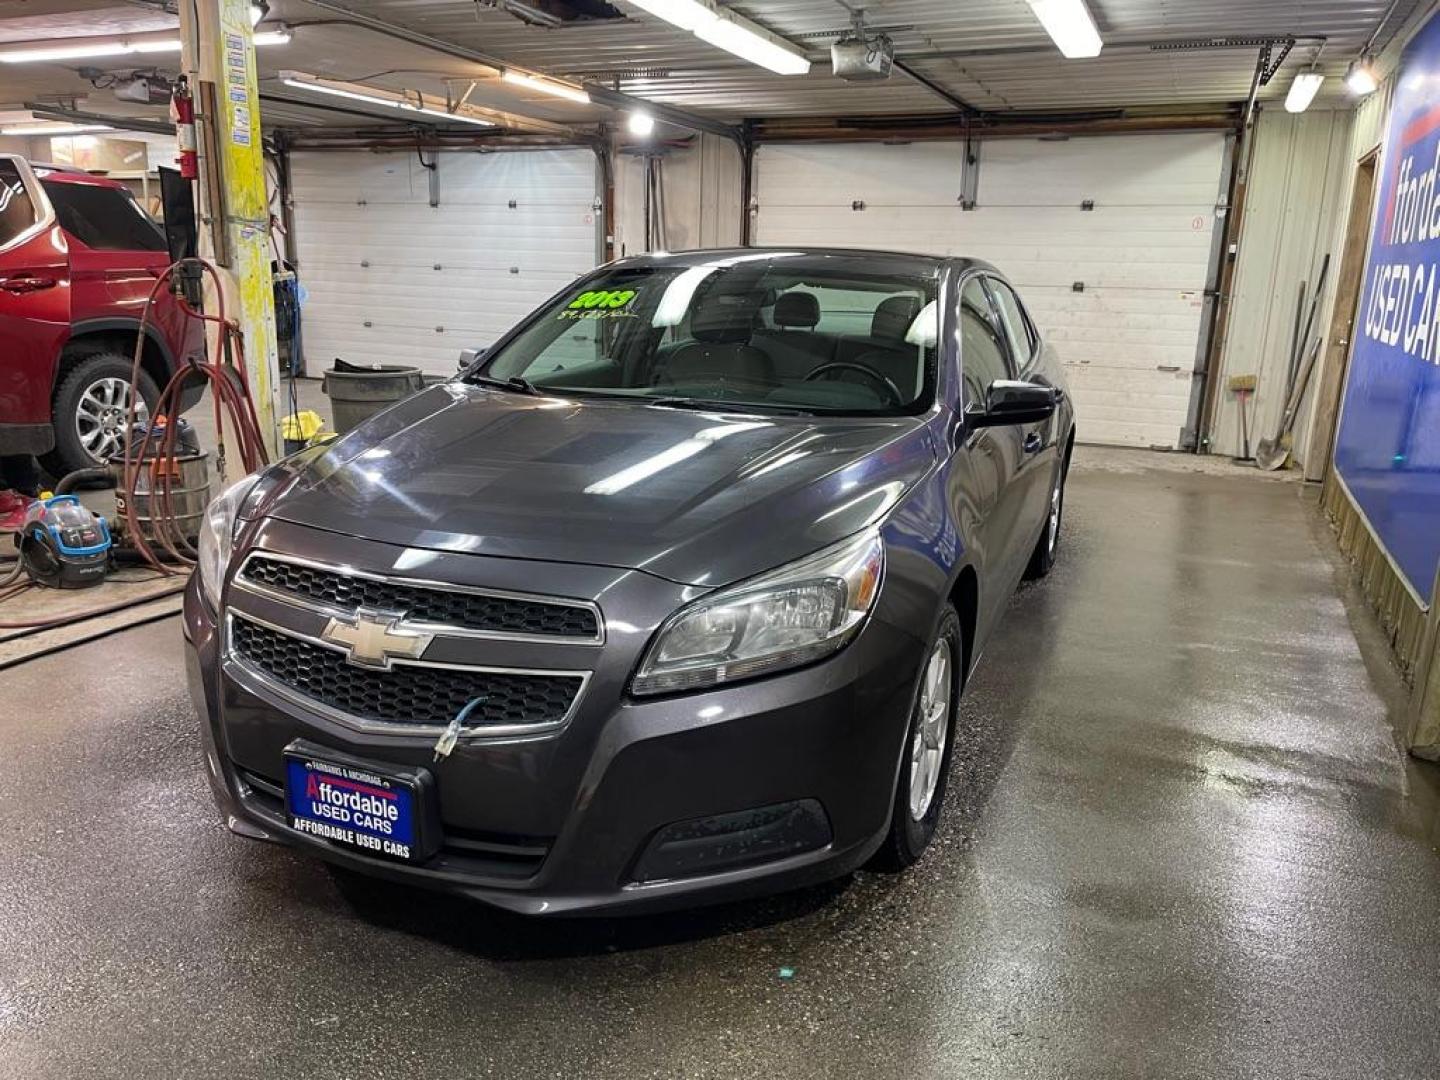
(559, 824)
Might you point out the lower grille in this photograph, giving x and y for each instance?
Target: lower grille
(406, 694)
(499, 855)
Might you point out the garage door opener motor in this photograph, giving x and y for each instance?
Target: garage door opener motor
(63, 545)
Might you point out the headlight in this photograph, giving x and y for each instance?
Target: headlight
(217, 535)
(779, 620)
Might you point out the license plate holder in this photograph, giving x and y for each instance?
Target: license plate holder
(371, 808)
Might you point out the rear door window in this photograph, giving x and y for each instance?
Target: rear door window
(105, 218)
(1012, 317)
(17, 209)
(983, 353)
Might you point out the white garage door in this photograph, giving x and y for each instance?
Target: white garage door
(392, 279)
(1119, 289)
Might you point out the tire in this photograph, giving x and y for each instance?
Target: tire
(914, 817)
(1042, 559)
(98, 385)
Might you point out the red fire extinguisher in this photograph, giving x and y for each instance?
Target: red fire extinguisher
(182, 111)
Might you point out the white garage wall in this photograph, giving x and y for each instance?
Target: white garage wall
(1129, 340)
(392, 279)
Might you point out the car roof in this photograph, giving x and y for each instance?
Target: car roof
(68, 174)
(901, 262)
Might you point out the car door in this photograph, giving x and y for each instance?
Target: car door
(1039, 444)
(994, 455)
(34, 308)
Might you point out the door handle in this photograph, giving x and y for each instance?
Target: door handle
(1033, 442)
(24, 283)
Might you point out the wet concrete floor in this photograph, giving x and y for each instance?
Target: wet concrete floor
(1182, 842)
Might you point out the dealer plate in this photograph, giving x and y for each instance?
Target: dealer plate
(353, 805)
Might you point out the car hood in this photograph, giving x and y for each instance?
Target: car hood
(701, 498)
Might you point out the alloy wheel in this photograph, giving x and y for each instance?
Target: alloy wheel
(927, 748)
(1056, 493)
(101, 414)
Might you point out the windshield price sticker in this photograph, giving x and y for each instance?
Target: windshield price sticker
(601, 304)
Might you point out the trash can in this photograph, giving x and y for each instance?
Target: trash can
(357, 392)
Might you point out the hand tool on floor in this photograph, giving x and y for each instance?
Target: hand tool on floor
(1295, 342)
(1242, 386)
(1272, 454)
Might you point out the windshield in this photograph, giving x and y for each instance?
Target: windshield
(768, 331)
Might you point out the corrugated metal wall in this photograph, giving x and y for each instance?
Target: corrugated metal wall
(702, 197)
(1298, 187)
(1367, 128)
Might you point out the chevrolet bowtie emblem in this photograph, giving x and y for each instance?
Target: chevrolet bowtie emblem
(373, 638)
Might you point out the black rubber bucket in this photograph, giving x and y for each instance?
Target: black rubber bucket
(357, 392)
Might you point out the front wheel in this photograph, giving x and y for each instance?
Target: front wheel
(924, 769)
(91, 405)
(1042, 559)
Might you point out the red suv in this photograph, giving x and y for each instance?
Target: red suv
(78, 257)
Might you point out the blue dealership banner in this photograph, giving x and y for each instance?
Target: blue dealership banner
(1388, 447)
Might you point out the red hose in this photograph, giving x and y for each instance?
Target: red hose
(230, 394)
(227, 398)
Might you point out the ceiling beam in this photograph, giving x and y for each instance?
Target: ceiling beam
(957, 102)
(603, 95)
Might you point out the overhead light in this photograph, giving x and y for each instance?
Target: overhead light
(1303, 91)
(258, 10)
(640, 123)
(390, 99)
(750, 42)
(1069, 24)
(53, 129)
(85, 49)
(1360, 77)
(731, 32)
(547, 86)
(686, 14)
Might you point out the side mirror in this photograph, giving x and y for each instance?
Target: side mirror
(470, 356)
(1011, 402)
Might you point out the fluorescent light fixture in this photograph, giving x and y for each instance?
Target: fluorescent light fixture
(53, 129)
(1303, 91)
(733, 33)
(749, 42)
(547, 86)
(85, 49)
(1069, 24)
(686, 14)
(390, 99)
(640, 123)
(442, 114)
(1360, 77)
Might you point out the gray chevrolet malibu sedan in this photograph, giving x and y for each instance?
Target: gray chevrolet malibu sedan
(668, 598)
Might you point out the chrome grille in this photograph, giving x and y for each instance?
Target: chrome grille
(456, 608)
(418, 695)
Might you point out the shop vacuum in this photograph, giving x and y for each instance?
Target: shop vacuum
(63, 545)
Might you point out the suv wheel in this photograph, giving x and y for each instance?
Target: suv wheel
(90, 408)
(929, 743)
